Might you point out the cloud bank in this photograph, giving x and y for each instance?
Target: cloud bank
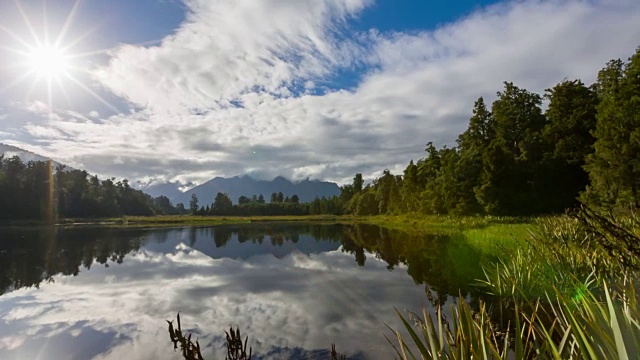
(259, 87)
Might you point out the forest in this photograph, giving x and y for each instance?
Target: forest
(525, 154)
(516, 159)
(26, 188)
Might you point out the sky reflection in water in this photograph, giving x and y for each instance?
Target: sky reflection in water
(291, 292)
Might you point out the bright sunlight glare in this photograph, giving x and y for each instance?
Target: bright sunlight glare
(48, 61)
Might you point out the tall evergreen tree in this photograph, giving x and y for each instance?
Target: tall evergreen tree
(358, 183)
(614, 167)
(512, 162)
(571, 116)
(410, 188)
(193, 204)
(472, 144)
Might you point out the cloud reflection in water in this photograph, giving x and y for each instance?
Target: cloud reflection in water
(291, 300)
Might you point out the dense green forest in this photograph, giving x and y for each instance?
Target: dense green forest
(514, 159)
(33, 190)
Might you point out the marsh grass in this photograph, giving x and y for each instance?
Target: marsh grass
(430, 223)
(189, 220)
(569, 292)
(583, 328)
(498, 238)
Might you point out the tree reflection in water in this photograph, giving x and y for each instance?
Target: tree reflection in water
(443, 263)
(29, 257)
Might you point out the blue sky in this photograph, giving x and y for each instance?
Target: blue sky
(171, 90)
(415, 15)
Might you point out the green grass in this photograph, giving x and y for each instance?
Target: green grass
(498, 238)
(490, 235)
(190, 220)
(568, 291)
(428, 223)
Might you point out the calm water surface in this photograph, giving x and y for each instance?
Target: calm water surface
(91, 293)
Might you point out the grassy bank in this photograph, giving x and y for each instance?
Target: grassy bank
(491, 234)
(182, 220)
(406, 222)
(488, 233)
(189, 220)
(571, 292)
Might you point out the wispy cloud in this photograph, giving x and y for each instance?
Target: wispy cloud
(231, 91)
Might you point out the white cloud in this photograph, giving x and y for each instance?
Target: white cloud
(227, 48)
(420, 88)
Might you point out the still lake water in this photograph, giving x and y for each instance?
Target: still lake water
(105, 293)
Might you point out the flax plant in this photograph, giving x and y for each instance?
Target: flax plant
(572, 292)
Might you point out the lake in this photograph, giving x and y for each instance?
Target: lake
(294, 289)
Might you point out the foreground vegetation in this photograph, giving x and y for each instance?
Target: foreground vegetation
(570, 293)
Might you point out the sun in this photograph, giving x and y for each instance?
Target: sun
(48, 61)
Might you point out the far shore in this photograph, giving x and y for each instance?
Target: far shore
(406, 222)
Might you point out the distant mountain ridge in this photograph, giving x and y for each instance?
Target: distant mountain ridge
(247, 186)
(235, 187)
(25, 155)
(10, 151)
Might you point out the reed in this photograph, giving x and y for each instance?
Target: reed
(571, 290)
(582, 328)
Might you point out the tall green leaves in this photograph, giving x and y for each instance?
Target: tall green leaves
(585, 328)
(566, 296)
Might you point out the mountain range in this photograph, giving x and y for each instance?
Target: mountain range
(247, 186)
(235, 187)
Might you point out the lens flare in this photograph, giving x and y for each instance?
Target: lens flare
(49, 60)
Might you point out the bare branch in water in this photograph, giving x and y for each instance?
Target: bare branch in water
(190, 351)
(236, 348)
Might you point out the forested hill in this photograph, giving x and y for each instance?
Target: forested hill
(517, 159)
(9, 151)
(307, 190)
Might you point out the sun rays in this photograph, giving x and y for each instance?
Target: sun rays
(48, 61)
